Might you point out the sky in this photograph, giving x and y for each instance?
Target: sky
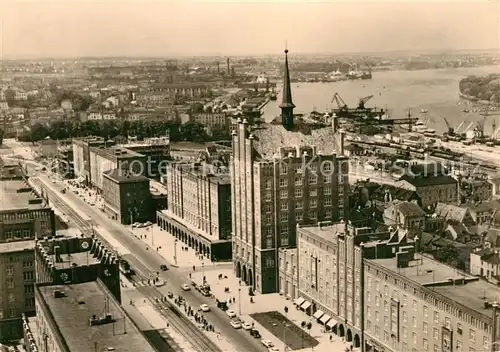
(75, 28)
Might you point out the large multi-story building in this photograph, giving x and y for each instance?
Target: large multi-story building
(414, 303)
(282, 176)
(105, 159)
(127, 197)
(81, 156)
(156, 151)
(324, 276)
(24, 217)
(199, 208)
(83, 317)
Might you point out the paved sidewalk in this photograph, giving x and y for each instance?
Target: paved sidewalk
(165, 244)
(266, 303)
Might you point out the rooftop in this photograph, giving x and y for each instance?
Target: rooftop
(123, 177)
(427, 271)
(325, 232)
(269, 140)
(116, 152)
(80, 259)
(216, 174)
(17, 194)
(71, 314)
(16, 246)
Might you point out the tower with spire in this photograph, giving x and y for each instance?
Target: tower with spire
(287, 105)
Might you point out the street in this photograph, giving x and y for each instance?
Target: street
(147, 263)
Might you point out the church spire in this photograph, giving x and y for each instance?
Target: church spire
(286, 102)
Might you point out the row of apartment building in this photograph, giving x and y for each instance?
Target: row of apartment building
(382, 294)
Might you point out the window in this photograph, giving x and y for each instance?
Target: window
(414, 321)
(486, 342)
(9, 270)
(436, 317)
(28, 264)
(436, 334)
(415, 305)
(12, 312)
(283, 182)
(414, 338)
(284, 217)
(426, 311)
(298, 192)
(472, 335)
(8, 235)
(12, 298)
(268, 197)
(313, 203)
(313, 179)
(298, 180)
(268, 184)
(284, 206)
(267, 208)
(327, 179)
(29, 302)
(327, 191)
(328, 202)
(28, 288)
(424, 328)
(269, 262)
(28, 275)
(298, 204)
(26, 233)
(283, 169)
(283, 194)
(426, 344)
(386, 322)
(10, 283)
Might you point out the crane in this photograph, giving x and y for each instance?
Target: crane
(362, 101)
(339, 101)
(451, 130)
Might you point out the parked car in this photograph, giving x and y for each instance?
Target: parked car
(236, 324)
(231, 313)
(163, 267)
(267, 343)
(205, 308)
(246, 326)
(186, 287)
(255, 333)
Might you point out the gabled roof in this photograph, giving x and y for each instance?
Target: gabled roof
(451, 212)
(409, 208)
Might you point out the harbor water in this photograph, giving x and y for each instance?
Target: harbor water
(435, 91)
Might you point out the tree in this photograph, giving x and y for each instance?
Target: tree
(10, 96)
(449, 255)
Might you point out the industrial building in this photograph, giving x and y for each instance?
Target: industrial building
(127, 197)
(199, 208)
(283, 174)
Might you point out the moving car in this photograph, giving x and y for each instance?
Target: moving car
(163, 267)
(236, 324)
(205, 308)
(231, 313)
(255, 333)
(267, 343)
(159, 283)
(186, 287)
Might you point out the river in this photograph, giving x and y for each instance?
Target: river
(433, 90)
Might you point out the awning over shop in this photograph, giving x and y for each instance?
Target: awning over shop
(324, 318)
(318, 314)
(305, 305)
(331, 323)
(299, 301)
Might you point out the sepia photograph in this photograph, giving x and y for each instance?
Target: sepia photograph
(249, 176)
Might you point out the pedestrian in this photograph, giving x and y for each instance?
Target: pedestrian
(331, 338)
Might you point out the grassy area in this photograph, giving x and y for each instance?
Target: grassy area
(285, 330)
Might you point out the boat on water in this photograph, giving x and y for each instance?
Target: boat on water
(424, 111)
(466, 110)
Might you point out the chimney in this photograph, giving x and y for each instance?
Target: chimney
(228, 67)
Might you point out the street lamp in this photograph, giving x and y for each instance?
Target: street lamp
(175, 252)
(239, 301)
(203, 271)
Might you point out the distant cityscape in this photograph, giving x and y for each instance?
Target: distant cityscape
(148, 205)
